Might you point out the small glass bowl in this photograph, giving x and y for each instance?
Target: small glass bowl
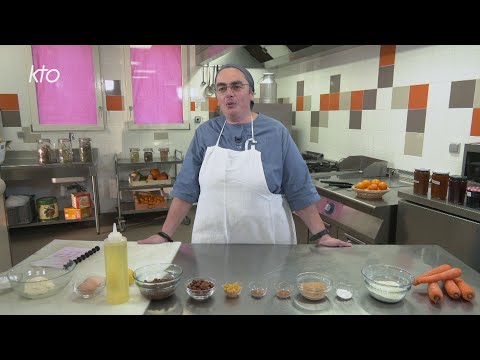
(258, 289)
(283, 290)
(232, 289)
(200, 294)
(344, 291)
(4, 283)
(313, 286)
(89, 286)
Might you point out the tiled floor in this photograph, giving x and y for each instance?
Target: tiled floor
(26, 241)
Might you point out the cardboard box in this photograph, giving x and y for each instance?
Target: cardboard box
(145, 200)
(81, 200)
(77, 214)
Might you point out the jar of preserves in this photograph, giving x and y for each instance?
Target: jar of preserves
(65, 151)
(439, 185)
(457, 187)
(44, 151)
(148, 154)
(85, 149)
(164, 154)
(421, 178)
(473, 197)
(134, 154)
(47, 208)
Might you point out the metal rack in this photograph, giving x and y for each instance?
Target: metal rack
(22, 170)
(125, 205)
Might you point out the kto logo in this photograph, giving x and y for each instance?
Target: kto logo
(50, 79)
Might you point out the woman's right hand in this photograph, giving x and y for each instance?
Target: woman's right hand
(154, 239)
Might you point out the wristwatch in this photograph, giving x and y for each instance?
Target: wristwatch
(165, 235)
(319, 234)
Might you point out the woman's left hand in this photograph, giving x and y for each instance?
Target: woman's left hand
(329, 241)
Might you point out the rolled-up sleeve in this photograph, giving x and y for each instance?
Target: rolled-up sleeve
(186, 185)
(296, 181)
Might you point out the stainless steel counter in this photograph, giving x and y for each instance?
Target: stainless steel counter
(245, 263)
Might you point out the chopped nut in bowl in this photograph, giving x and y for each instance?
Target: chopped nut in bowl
(313, 286)
(258, 289)
(232, 289)
(200, 288)
(283, 290)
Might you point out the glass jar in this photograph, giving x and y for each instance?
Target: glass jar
(457, 187)
(148, 154)
(439, 185)
(44, 149)
(134, 154)
(85, 149)
(421, 177)
(473, 197)
(65, 152)
(164, 154)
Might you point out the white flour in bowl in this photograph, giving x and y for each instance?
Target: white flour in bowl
(391, 292)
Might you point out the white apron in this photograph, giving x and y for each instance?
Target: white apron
(235, 205)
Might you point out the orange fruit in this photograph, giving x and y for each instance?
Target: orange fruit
(366, 183)
(373, 187)
(382, 185)
(360, 185)
(375, 181)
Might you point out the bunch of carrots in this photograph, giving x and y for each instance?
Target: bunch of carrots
(453, 284)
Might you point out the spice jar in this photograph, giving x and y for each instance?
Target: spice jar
(85, 148)
(164, 154)
(65, 152)
(473, 197)
(44, 151)
(148, 154)
(439, 185)
(134, 154)
(457, 187)
(421, 177)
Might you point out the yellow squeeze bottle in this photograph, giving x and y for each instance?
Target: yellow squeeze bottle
(116, 267)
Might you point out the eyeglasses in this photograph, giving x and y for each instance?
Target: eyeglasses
(236, 87)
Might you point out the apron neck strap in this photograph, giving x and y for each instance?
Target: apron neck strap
(218, 140)
(252, 139)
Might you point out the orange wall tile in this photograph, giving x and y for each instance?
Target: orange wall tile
(387, 55)
(475, 129)
(324, 102)
(356, 102)
(418, 97)
(114, 103)
(9, 102)
(334, 101)
(299, 103)
(212, 104)
(192, 105)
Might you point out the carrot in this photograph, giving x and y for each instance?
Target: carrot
(449, 274)
(434, 271)
(467, 292)
(452, 289)
(434, 292)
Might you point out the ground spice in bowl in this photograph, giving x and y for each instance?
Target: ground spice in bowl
(258, 293)
(283, 293)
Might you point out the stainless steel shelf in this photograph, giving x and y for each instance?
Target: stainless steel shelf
(61, 220)
(129, 208)
(128, 163)
(124, 185)
(33, 164)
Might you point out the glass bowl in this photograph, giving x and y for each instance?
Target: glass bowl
(344, 291)
(37, 282)
(387, 283)
(89, 286)
(4, 283)
(313, 285)
(200, 288)
(232, 289)
(258, 289)
(283, 290)
(157, 281)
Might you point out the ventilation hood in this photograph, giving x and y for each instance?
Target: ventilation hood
(263, 56)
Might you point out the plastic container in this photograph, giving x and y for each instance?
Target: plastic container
(85, 148)
(439, 185)
(116, 267)
(44, 149)
(457, 188)
(47, 208)
(421, 178)
(148, 154)
(164, 154)
(21, 214)
(473, 197)
(65, 152)
(134, 155)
